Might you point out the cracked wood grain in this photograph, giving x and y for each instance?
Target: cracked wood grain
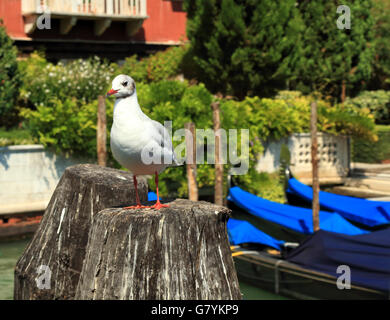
(61, 239)
(180, 252)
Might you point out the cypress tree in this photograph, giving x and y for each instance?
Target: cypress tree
(241, 46)
(381, 13)
(332, 59)
(9, 79)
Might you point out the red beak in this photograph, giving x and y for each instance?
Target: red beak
(111, 92)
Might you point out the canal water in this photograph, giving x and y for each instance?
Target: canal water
(11, 251)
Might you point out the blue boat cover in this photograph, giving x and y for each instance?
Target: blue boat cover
(295, 218)
(367, 212)
(367, 256)
(152, 196)
(243, 232)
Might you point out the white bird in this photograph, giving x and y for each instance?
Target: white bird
(138, 143)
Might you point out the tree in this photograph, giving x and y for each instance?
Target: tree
(9, 79)
(254, 47)
(329, 59)
(241, 46)
(381, 78)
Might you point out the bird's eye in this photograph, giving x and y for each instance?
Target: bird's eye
(124, 84)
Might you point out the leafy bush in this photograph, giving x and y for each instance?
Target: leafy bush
(163, 65)
(332, 118)
(9, 137)
(67, 126)
(80, 79)
(377, 102)
(9, 79)
(372, 152)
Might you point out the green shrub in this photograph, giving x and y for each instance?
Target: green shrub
(9, 79)
(372, 152)
(332, 118)
(265, 185)
(378, 102)
(10, 137)
(163, 65)
(81, 79)
(67, 126)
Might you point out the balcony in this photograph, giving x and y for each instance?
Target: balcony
(102, 12)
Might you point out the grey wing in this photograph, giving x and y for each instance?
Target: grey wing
(165, 141)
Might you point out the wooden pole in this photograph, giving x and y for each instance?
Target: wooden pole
(59, 244)
(314, 161)
(218, 191)
(177, 253)
(191, 161)
(343, 91)
(101, 132)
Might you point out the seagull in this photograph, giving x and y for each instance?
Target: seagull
(138, 143)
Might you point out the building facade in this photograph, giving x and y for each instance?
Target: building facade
(115, 29)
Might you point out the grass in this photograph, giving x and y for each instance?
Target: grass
(15, 136)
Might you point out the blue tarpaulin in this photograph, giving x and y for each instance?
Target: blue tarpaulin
(295, 218)
(367, 256)
(367, 212)
(243, 232)
(152, 196)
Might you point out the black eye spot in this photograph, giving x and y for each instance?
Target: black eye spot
(124, 84)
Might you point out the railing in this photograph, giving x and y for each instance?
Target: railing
(87, 7)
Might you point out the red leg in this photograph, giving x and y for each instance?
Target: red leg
(158, 205)
(138, 206)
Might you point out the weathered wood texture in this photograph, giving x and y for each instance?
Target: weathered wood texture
(180, 252)
(101, 132)
(314, 161)
(191, 160)
(61, 239)
(218, 188)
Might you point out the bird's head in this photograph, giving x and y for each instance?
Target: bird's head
(122, 87)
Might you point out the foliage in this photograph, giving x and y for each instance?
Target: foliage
(369, 152)
(377, 102)
(67, 126)
(9, 79)
(381, 76)
(263, 184)
(332, 118)
(80, 79)
(163, 65)
(15, 136)
(326, 56)
(239, 47)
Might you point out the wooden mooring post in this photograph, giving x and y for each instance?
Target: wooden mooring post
(218, 188)
(89, 247)
(101, 132)
(191, 160)
(58, 247)
(314, 161)
(181, 252)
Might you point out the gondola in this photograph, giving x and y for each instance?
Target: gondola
(299, 263)
(310, 269)
(365, 213)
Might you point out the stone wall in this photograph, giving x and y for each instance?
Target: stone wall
(333, 155)
(28, 177)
